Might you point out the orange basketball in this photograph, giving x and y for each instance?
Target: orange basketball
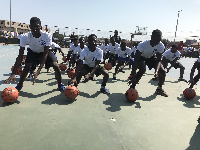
(108, 66)
(63, 67)
(189, 93)
(9, 94)
(71, 92)
(131, 94)
(71, 73)
(19, 70)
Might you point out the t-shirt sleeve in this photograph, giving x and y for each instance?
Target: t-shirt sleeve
(166, 53)
(141, 47)
(24, 39)
(161, 48)
(100, 56)
(198, 59)
(82, 55)
(48, 39)
(129, 52)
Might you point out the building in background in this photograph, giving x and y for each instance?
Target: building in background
(17, 27)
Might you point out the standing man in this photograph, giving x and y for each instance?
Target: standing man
(117, 38)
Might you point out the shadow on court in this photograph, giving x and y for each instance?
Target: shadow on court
(190, 103)
(116, 100)
(195, 139)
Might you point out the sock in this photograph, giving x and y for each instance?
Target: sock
(21, 84)
(31, 72)
(59, 83)
(103, 85)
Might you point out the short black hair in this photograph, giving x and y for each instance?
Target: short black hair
(174, 46)
(35, 20)
(81, 38)
(91, 35)
(156, 32)
(112, 38)
(123, 41)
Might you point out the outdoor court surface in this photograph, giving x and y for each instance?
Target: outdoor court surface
(43, 118)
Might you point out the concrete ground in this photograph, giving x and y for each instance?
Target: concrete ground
(44, 119)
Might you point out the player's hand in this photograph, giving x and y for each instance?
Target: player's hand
(35, 76)
(191, 81)
(73, 81)
(156, 74)
(131, 81)
(167, 70)
(86, 78)
(10, 79)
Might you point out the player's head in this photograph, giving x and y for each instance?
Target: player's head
(174, 48)
(112, 39)
(106, 41)
(92, 39)
(35, 25)
(75, 40)
(123, 45)
(156, 37)
(116, 32)
(82, 40)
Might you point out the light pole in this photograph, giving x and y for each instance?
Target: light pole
(176, 26)
(10, 17)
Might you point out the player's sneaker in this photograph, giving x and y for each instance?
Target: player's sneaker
(114, 76)
(161, 92)
(104, 90)
(19, 87)
(181, 79)
(29, 78)
(61, 88)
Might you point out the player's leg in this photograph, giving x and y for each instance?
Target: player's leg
(105, 74)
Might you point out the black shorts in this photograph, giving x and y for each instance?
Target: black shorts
(176, 65)
(150, 62)
(88, 69)
(36, 58)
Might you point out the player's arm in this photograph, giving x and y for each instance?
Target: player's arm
(60, 51)
(16, 65)
(69, 54)
(97, 62)
(173, 63)
(196, 64)
(135, 63)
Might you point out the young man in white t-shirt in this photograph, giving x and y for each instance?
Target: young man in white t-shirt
(38, 51)
(72, 47)
(123, 53)
(90, 58)
(104, 47)
(145, 55)
(171, 56)
(112, 47)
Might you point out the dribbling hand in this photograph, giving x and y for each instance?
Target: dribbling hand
(10, 79)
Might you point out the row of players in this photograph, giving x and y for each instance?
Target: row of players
(148, 53)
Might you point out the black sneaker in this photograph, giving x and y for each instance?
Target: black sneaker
(161, 92)
(104, 90)
(198, 120)
(61, 87)
(181, 79)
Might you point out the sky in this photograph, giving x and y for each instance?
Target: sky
(110, 15)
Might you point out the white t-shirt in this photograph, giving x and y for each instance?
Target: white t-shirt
(104, 48)
(72, 47)
(54, 45)
(36, 44)
(112, 49)
(90, 57)
(133, 50)
(198, 59)
(171, 56)
(123, 54)
(78, 50)
(147, 50)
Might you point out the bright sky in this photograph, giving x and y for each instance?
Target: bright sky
(108, 15)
